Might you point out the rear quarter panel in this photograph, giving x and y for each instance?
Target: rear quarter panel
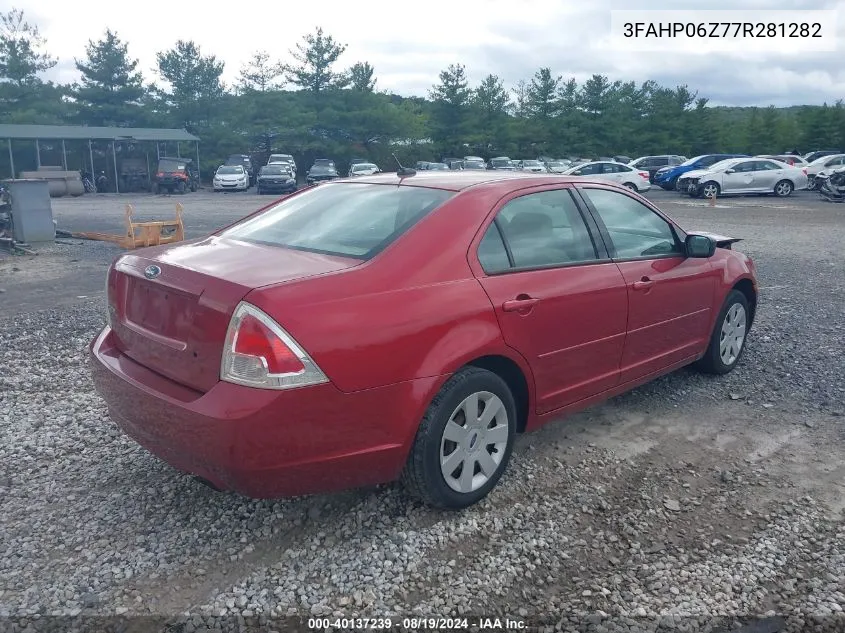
(416, 310)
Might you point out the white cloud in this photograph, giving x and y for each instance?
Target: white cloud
(408, 43)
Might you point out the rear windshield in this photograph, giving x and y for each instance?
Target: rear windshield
(171, 165)
(230, 169)
(501, 162)
(344, 219)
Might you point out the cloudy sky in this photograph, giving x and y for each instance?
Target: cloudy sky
(410, 41)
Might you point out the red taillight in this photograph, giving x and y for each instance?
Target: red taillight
(259, 353)
(256, 340)
(160, 174)
(644, 174)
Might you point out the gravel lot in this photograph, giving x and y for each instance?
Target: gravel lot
(693, 503)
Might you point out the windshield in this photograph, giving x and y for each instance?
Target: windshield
(280, 158)
(692, 160)
(275, 170)
(345, 219)
(230, 169)
(556, 164)
(322, 169)
(501, 162)
(474, 164)
(531, 163)
(364, 167)
(723, 164)
(171, 165)
(437, 166)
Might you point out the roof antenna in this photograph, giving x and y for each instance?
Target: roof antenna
(403, 171)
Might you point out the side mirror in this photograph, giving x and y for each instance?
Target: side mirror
(700, 246)
(578, 172)
(730, 171)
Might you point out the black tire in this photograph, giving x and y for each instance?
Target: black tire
(631, 186)
(259, 191)
(712, 361)
(194, 187)
(155, 189)
(180, 187)
(811, 183)
(712, 184)
(422, 476)
(784, 189)
(673, 183)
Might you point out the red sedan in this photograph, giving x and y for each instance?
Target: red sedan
(380, 328)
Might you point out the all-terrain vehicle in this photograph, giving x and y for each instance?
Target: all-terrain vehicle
(175, 175)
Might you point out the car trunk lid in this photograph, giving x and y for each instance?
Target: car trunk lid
(170, 306)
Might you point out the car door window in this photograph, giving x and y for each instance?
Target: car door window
(634, 229)
(594, 168)
(609, 168)
(767, 165)
(543, 229)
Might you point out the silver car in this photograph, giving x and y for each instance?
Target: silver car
(743, 176)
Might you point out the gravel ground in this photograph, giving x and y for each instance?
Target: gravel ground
(693, 503)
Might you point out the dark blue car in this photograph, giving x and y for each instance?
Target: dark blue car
(667, 177)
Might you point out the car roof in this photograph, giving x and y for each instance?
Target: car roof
(461, 180)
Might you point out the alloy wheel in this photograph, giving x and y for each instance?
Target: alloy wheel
(733, 333)
(783, 189)
(474, 441)
(710, 190)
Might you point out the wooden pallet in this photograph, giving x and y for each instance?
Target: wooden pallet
(141, 234)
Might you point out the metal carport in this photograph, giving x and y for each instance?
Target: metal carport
(37, 133)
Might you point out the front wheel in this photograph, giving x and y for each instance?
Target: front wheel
(783, 189)
(464, 442)
(710, 189)
(811, 183)
(727, 341)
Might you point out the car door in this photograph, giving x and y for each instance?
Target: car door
(767, 173)
(670, 296)
(559, 300)
(611, 172)
(739, 178)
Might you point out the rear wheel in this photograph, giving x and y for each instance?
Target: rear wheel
(632, 187)
(464, 442)
(181, 188)
(154, 188)
(710, 189)
(727, 341)
(783, 189)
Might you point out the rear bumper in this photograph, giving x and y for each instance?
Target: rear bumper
(263, 443)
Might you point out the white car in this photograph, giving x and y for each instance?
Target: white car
(231, 178)
(532, 165)
(822, 164)
(789, 159)
(743, 175)
(634, 179)
(363, 169)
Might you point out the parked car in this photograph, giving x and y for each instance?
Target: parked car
(473, 159)
(436, 166)
(363, 169)
(667, 177)
(789, 159)
(532, 165)
(246, 162)
(615, 172)
(321, 173)
(282, 158)
(474, 164)
(175, 175)
(501, 163)
(515, 164)
(421, 165)
(742, 176)
(265, 386)
(814, 156)
(231, 178)
(822, 163)
(456, 165)
(276, 178)
(652, 164)
(622, 159)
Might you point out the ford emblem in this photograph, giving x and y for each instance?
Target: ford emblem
(151, 272)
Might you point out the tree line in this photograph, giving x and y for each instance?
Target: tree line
(310, 104)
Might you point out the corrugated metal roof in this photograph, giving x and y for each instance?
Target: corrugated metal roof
(84, 133)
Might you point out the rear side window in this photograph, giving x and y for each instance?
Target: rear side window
(344, 219)
(543, 229)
